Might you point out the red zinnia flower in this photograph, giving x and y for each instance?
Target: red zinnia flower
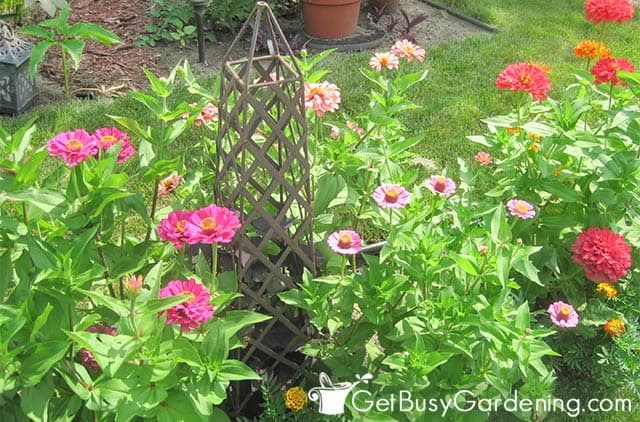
(604, 255)
(525, 77)
(608, 10)
(606, 70)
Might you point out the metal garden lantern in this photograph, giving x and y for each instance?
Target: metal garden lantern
(263, 172)
(17, 89)
(198, 7)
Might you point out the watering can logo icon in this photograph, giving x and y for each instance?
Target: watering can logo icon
(330, 396)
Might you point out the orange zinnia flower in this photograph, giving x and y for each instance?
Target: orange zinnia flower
(607, 290)
(615, 327)
(590, 49)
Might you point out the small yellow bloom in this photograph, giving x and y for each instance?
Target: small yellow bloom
(607, 290)
(295, 399)
(615, 327)
(534, 148)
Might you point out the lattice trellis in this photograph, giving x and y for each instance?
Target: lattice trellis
(263, 172)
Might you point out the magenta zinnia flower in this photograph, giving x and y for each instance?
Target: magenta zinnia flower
(441, 185)
(380, 60)
(321, 97)
(345, 242)
(525, 77)
(73, 147)
(408, 50)
(563, 315)
(604, 255)
(391, 196)
(211, 224)
(108, 137)
(171, 228)
(521, 209)
(195, 311)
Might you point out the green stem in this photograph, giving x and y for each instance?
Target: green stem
(65, 71)
(132, 314)
(25, 218)
(610, 94)
(214, 262)
(154, 204)
(122, 236)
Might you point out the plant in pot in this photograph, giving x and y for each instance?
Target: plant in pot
(330, 19)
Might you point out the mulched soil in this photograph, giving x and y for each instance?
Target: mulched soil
(116, 69)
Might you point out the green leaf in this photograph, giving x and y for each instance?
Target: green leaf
(44, 199)
(34, 400)
(178, 407)
(42, 254)
(155, 306)
(563, 192)
(37, 56)
(117, 306)
(38, 32)
(74, 49)
(94, 32)
(29, 171)
(235, 370)
(40, 321)
(235, 321)
(6, 275)
(40, 360)
(523, 316)
(159, 87)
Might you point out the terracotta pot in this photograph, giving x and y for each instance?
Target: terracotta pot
(390, 6)
(330, 19)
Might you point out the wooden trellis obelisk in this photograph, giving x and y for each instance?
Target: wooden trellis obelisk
(263, 172)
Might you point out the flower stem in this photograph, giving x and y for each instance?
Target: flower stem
(214, 262)
(66, 73)
(154, 204)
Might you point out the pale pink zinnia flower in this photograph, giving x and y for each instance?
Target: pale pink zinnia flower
(408, 50)
(335, 133)
(211, 224)
(169, 184)
(386, 59)
(346, 242)
(108, 137)
(195, 311)
(209, 113)
(563, 315)
(441, 185)
(321, 97)
(521, 209)
(483, 158)
(391, 196)
(73, 147)
(171, 228)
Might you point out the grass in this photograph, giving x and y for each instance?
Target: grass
(457, 94)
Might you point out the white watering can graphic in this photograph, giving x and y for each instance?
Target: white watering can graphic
(331, 397)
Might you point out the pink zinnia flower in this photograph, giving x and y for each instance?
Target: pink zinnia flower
(345, 242)
(195, 311)
(408, 50)
(525, 77)
(211, 224)
(606, 70)
(73, 147)
(321, 97)
(172, 228)
(169, 184)
(380, 60)
(604, 255)
(483, 158)
(441, 185)
(521, 209)
(354, 126)
(608, 11)
(133, 285)
(108, 137)
(563, 315)
(391, 196)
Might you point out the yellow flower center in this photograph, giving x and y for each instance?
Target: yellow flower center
(383, 60)
(345, 240)
(521, 208)
(180, 226)
(208, 223)
(74, 145)
(108, 139)
(391, 194)
(192, 297)
(525, 79)
(565, 311)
